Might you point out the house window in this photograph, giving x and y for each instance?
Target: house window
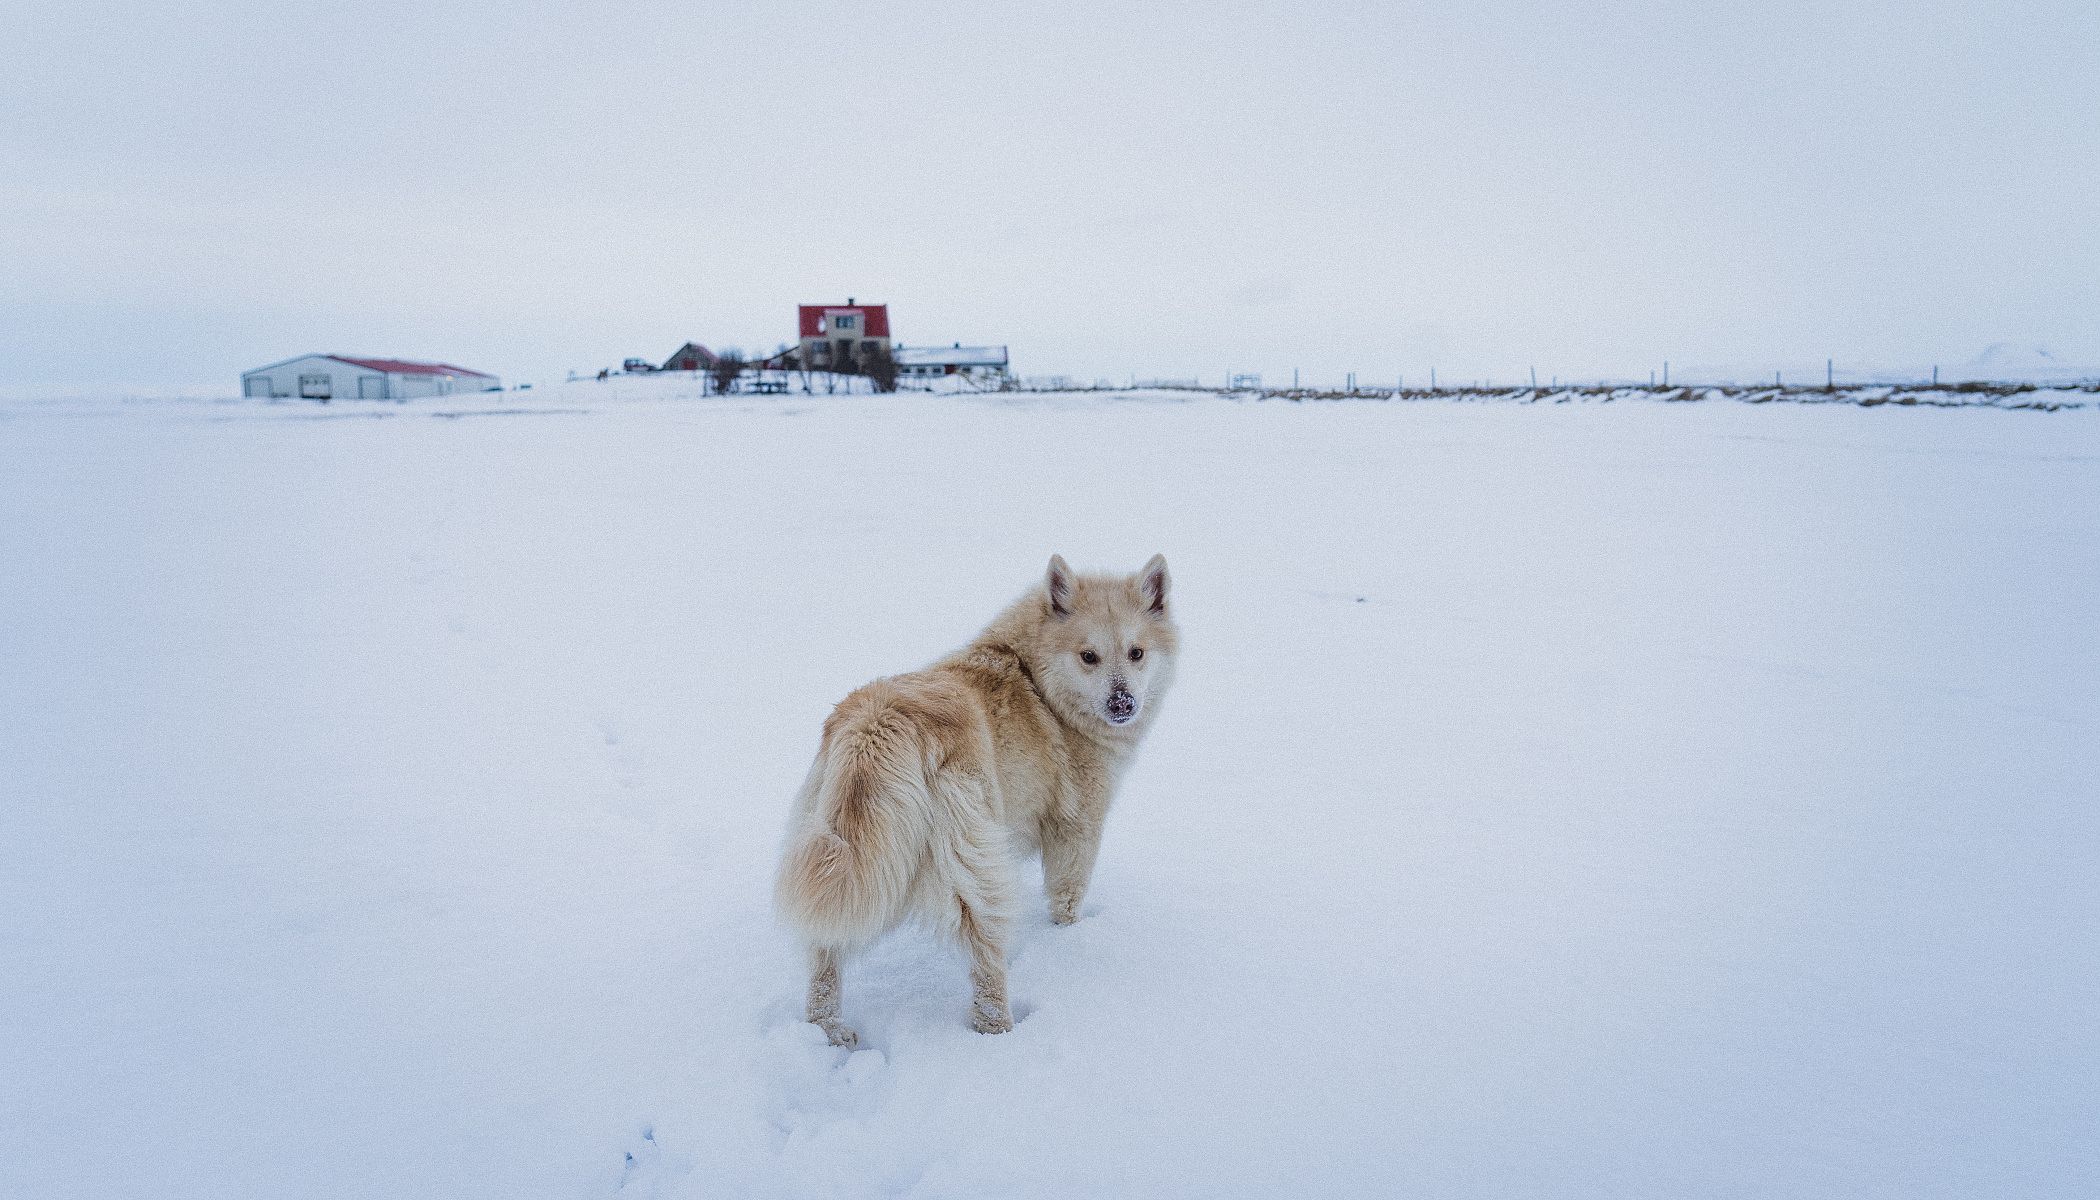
(845, 322)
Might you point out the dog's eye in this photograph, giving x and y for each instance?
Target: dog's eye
(1089, 657)
(1136, 653)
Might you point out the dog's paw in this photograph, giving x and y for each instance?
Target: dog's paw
(841, 1035)
(989, 1013)
(1064, 914)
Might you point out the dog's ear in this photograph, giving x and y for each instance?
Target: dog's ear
(1057, 586)
(1152, 584)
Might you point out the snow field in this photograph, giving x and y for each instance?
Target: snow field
(1629, 800)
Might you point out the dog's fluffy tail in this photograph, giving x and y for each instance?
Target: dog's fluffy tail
(853, 858)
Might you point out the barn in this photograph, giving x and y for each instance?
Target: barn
(690, 357)
(326, 377)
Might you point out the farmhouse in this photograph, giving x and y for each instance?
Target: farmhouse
(981, 363)
(840, 337)
(327, 377)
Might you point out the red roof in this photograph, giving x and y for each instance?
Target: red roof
(875, 321)
(401, 366)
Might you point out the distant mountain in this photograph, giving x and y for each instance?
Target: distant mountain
(2018, 362)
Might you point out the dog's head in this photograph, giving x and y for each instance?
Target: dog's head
(1107, 642)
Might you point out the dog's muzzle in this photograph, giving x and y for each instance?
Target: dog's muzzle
(1121, 707)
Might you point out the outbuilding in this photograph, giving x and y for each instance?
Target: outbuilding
(983, 364)
(690, 357)
(326, 377)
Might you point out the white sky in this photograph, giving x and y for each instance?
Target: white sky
(193, 189)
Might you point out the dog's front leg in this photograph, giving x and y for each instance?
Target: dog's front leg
(1069, 847)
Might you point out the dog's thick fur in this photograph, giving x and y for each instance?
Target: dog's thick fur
(926, 785)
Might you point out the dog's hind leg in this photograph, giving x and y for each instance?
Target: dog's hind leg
(824, 997)
(983, 935)
(975, 865)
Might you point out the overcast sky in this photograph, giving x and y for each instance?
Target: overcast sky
(1166, 190)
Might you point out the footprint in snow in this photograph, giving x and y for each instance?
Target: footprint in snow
(816, 1086)
(649, 1173)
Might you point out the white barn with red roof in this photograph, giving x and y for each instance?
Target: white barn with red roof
(326, 377)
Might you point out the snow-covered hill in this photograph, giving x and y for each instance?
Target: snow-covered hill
(1630, 799)
(2022, 362)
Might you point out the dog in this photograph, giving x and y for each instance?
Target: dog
(927, 785)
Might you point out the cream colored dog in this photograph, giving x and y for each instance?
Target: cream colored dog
(926, 785)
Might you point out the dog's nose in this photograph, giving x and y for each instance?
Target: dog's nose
(1121, 705)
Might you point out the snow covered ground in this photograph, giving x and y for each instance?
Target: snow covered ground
(1624, 800)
